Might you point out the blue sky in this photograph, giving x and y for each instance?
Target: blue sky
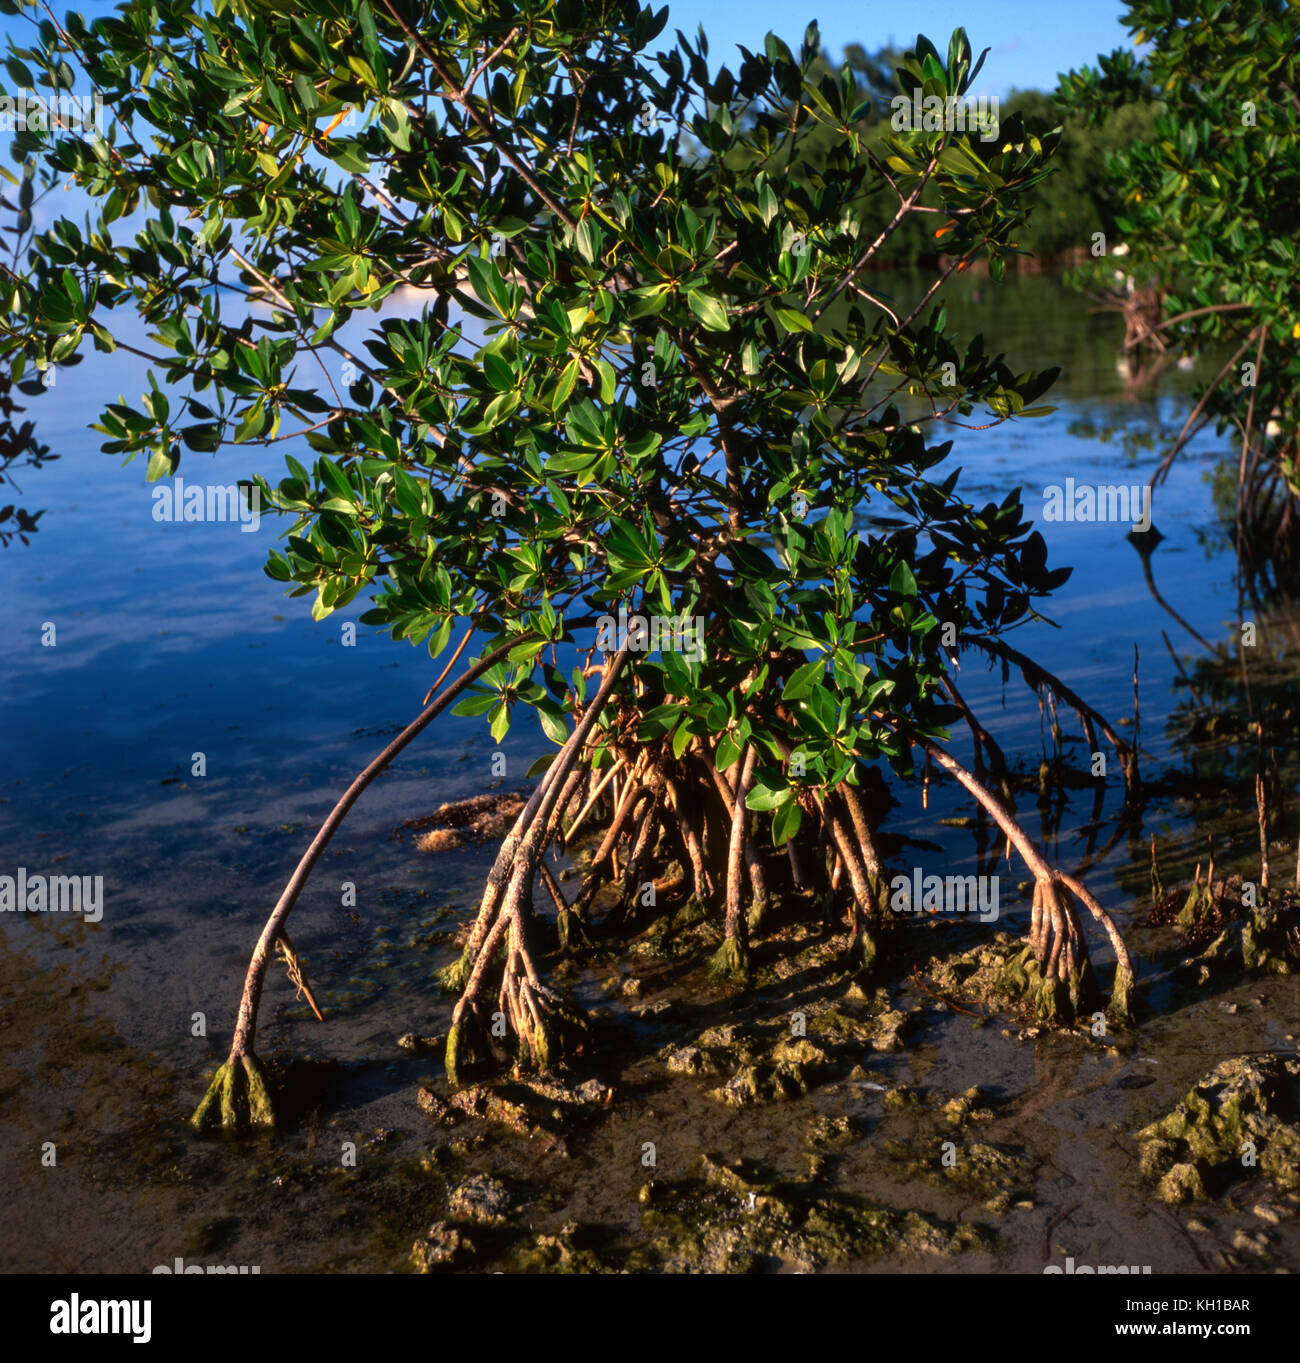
(1031, 40)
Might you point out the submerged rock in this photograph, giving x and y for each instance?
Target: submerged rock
(483, 1103)
(731, 1226)
(761, 1084)
(967, 1107)
(997, 1174)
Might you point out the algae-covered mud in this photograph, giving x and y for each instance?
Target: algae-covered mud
(946, 1114)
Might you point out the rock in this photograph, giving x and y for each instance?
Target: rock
(1155, 1156)
(823, 1130)
(836, 1028)
(420, 1045)
(741, 1089)
(798, 1051)
(964, 1108)
(689, 1060)
(1250, 1242)
(550, 1253)
(1182, 1183)
(571, 1095)
(718, 1229)
(443, 1247)
(482, 1103)
(1244, 1115)
(890, 1028)
(719, 1036)
(428, 1101)
(594, 1091)
(480, 1198)
(760, 1084)
(996, 1174)
(730, 1177)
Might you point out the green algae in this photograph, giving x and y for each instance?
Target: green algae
(1243, 1117)
(730, 1224)
(237, 1099)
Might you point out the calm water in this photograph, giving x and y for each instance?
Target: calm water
(171, 642)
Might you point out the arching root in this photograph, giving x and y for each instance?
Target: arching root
(731, 961)
(238, 1094)
(545, 1025)
(1061, 975)
(1064, 986)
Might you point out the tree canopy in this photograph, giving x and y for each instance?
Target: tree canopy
(650, 374)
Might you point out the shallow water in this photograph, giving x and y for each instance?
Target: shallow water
(170, 642)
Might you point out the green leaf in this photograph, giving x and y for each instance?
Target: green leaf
(728, 752)
(681, 740)
(902, 580)
(564, 387)
(162, 464)
(785, 822)
(476, 704)
(552, 719)
(793, 321)
(764, 798)
(499, 722)
(709, 310)
(803, 680)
